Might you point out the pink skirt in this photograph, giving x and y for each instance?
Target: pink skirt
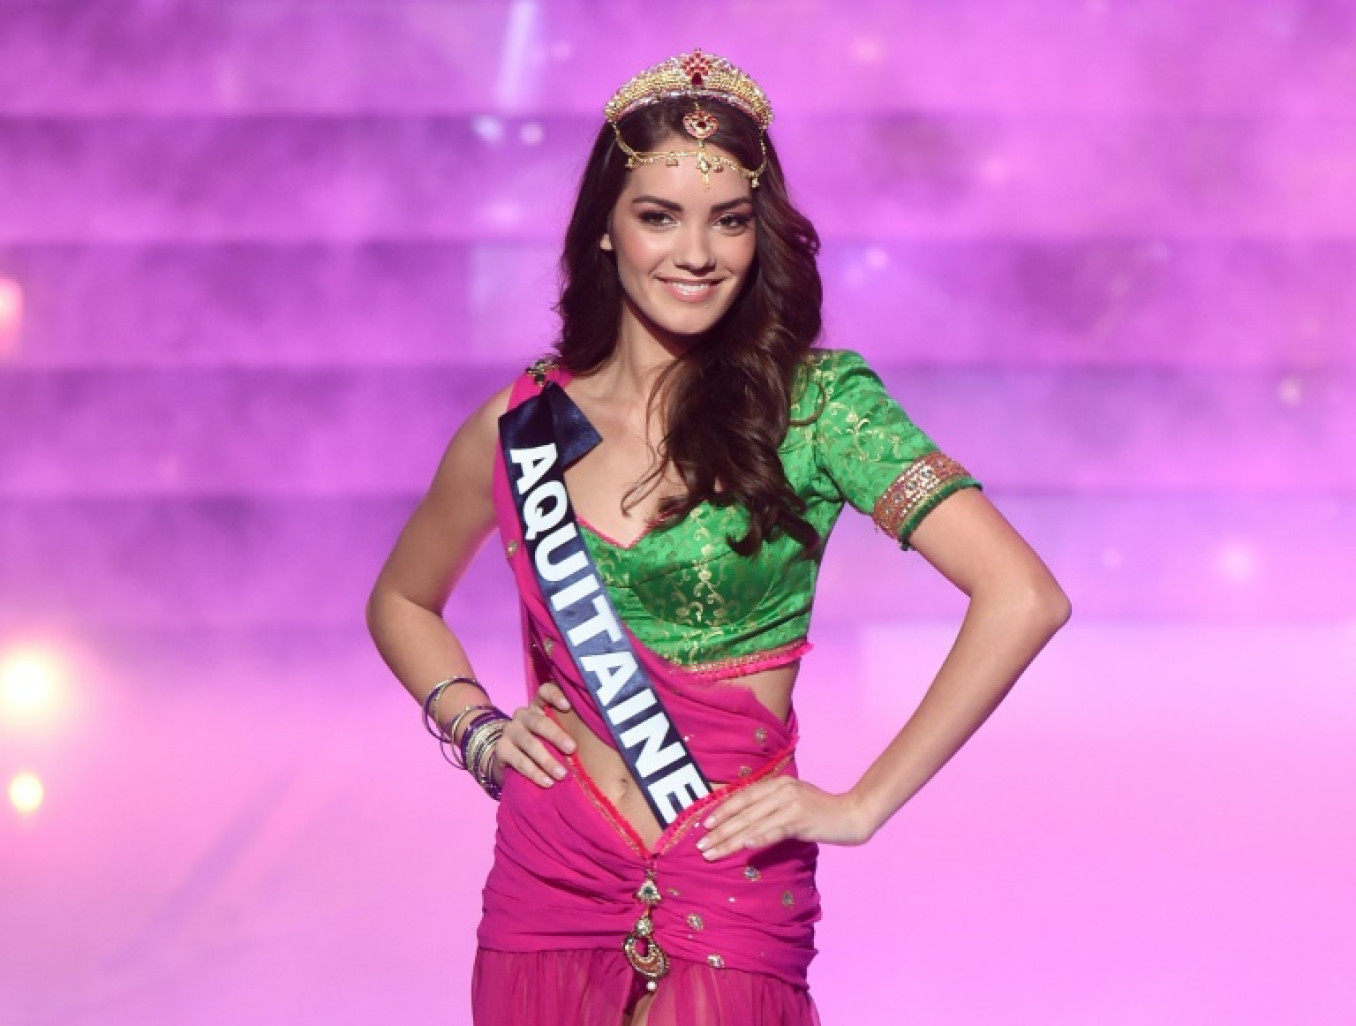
(562, 897)
(598, 987)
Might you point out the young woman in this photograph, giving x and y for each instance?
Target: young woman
(663, 488)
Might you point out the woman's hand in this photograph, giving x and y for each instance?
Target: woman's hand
(521, 746)
(779, 809)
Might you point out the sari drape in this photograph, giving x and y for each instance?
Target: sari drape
(562, 893)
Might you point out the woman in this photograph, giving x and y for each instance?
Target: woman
(663, 489)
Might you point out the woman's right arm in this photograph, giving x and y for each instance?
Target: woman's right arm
(404, 611)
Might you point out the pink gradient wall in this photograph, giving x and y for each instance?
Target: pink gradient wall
(258, 259)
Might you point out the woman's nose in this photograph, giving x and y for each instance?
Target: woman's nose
(693, 251)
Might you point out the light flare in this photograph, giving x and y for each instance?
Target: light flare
(1237, 562)
(31, 683)
(26, 793)
(11, 316)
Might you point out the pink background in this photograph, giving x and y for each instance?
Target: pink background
(258, 259)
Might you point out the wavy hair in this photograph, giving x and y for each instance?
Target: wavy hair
(726, 398)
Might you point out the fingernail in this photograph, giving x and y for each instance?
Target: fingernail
(701, 845)
(710, 822)
(708, 855)
(559, 772)
(569, 747)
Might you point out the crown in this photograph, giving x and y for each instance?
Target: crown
(698, 76)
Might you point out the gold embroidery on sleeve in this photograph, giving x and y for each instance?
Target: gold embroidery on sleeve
(920, 483)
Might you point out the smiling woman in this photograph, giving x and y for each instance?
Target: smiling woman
(676, 241)
(655, 855)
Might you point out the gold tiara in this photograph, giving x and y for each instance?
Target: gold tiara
(698, 76)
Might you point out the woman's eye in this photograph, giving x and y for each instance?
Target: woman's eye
(735, 222)
(655, 217)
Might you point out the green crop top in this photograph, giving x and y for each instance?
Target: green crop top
(688, 596)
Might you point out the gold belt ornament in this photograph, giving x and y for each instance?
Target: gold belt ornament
(642, 950)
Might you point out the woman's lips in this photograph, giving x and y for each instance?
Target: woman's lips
(689, 292)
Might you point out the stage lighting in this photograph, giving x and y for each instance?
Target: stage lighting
(487, 128)
(11, 315)
(1290, 390)
(30, 682)
(25, 793)
(1238, 563)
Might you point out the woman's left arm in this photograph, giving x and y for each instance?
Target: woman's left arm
(1015, 607)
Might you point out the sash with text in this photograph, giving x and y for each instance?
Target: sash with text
(540, 437)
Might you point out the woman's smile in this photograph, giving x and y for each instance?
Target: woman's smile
(689, 291)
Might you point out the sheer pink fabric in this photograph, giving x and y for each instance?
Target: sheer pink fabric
(595, 986)
(561, 895)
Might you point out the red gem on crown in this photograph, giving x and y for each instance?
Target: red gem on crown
(700, 124)
(696, 65)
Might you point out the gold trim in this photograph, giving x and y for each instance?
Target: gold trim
(719, 666)
(919, 484)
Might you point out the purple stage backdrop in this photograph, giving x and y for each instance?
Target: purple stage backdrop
(259, 257)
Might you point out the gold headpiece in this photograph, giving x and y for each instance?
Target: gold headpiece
(697, 75)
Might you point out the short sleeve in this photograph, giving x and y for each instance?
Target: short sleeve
(880, 462)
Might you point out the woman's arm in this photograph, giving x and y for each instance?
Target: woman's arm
(404, 611)
(1015, 608)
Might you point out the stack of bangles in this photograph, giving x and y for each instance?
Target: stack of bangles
(474, 752)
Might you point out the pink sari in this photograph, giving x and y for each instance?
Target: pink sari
(561, 897)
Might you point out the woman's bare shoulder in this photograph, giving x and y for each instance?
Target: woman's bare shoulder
(483, 421)
(468, 462)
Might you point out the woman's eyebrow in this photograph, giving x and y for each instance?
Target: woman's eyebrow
(677, 208)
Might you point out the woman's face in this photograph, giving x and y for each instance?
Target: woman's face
(683, 250)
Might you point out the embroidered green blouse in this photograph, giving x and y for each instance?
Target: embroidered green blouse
(688, 596)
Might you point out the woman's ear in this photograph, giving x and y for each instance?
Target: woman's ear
(605, 243)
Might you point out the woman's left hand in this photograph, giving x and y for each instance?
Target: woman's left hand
(780, 809)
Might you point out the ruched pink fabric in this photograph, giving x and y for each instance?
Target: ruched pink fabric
(561, 894)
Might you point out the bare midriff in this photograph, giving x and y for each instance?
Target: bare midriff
(606, 769)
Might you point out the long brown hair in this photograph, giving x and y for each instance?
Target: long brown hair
(727, 396)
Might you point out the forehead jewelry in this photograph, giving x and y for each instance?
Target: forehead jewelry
(695, 76)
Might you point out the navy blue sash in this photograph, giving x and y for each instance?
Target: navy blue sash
(540, 438)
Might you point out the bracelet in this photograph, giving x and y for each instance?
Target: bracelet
(466, 748)
(475, 751)
(448, 741)
(431, 723)
(483, 759)
(450, 731)
(430, 708)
